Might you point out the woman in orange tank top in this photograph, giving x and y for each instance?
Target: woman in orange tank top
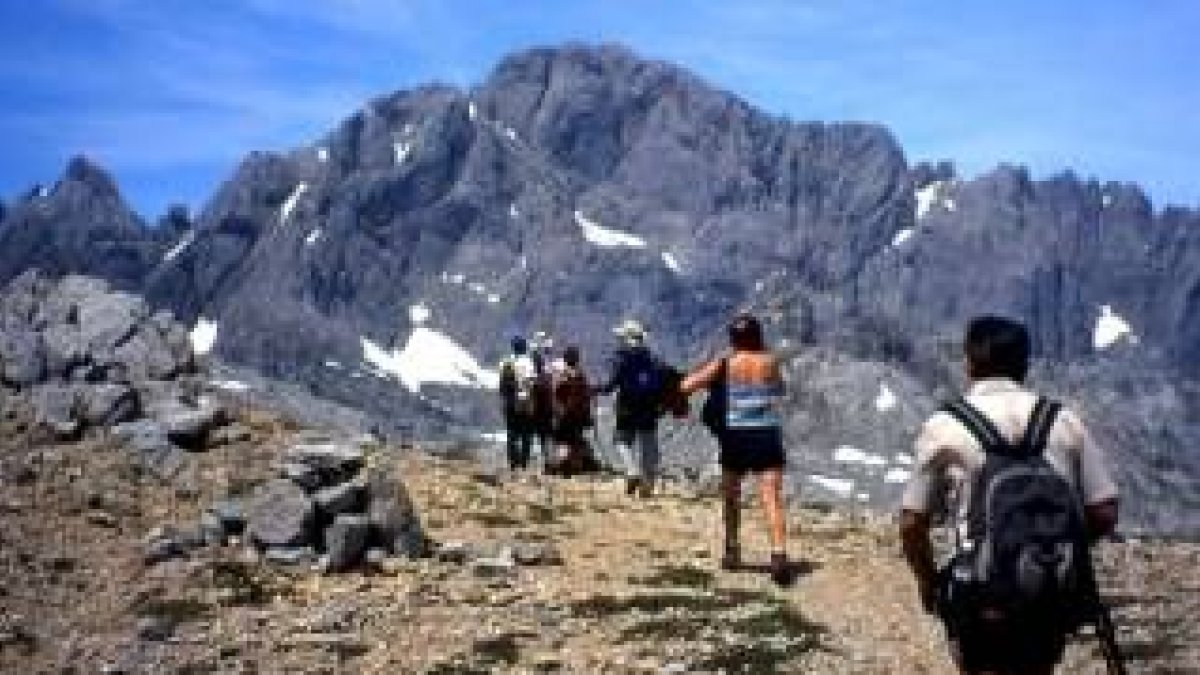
(748, 389)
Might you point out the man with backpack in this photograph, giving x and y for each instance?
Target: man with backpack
(638, 378)
(1030, 492)
(520, 386)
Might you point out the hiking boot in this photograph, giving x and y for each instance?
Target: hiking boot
(631, 486)
(781, 571)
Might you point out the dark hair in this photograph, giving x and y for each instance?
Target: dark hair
(997, 347)
(745, 334)
(519, 345)
(571, 356)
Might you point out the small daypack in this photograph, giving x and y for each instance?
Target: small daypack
(1029, 555)
(527, 378)
(572, 398)
(643, 378)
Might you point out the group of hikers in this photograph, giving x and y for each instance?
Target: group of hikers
(1018, 479)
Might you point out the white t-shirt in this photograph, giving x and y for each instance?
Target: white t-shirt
(948, 455)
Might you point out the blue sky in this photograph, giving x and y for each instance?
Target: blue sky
(169, 94)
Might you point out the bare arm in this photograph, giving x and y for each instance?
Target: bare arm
(918, 551)
(700, 378)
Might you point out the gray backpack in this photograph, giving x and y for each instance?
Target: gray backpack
(1029, 553)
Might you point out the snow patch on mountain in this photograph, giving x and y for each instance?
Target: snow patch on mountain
(671, 262)
(903, 236)
(313, 237)
(184, 241)
(603, 236)
(402, 149)
(203, 336)
(839, 486)
(290, 203)
(849, 455)
(897, 475)
(430, 357)
(932, 195)
(322, 155)
(419, 314)
(885, 400)
(1110, 328)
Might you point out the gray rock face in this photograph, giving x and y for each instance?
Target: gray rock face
(279, 514)
(79, 226)
(579, 185)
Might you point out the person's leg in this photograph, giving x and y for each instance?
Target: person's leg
(770, 488)
(649, 458)
(731, 511)
(526, 442)
(625, 449)
(512, 441)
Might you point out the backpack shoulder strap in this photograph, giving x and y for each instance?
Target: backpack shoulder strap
(1041, 421)
(978, 425)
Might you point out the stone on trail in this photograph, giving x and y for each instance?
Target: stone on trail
(22, 357)
(108, 404)
(394, 522)
(330, 459)
(347, 497)
(346, 541)
(280, 514)
(56, 409)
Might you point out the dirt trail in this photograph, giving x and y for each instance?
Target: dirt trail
(633, 586)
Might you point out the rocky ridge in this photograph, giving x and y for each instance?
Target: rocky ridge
(385, 265)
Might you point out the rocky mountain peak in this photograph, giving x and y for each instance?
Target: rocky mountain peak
(90, 176)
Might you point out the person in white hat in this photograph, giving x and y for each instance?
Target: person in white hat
(638, 379)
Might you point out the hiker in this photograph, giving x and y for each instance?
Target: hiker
(742, 410)
(545, 363)
(637, 377)
(572, 415)
(1029, 491)
(518, 394)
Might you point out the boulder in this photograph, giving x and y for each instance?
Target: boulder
(330, 459)
(289, 555)
(280, 514)
(22, 357)
(158, 456)
(347, 497)
(303, 475)
(346, 541)
(56, 409)
(189, 426)
(231, 516)
(395, 525)
(108, 404)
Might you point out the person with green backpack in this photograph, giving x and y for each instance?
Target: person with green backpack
(1031, 491)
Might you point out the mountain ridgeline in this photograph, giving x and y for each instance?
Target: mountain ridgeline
(386, 264)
